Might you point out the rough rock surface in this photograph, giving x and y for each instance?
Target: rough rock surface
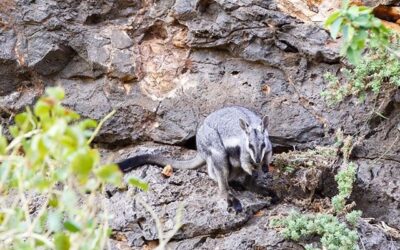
(206, 224)
(377, 183)
(373, 3)
(203, 212)
(164, 65)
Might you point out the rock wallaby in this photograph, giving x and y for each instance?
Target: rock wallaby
(232, 141)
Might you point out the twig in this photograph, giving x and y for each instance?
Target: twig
(362, 242)
(387, 150)
(39, 237)
(18, 140)
(178, 225)
(153, 215)
(96, 131)
(163, 240)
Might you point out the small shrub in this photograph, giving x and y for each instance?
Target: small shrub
(334, 234)
(51, 181)
(344, 179)
(371, 74)
(353, 217)
(362, 32)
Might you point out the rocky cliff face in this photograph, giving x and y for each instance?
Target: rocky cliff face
(164, 65)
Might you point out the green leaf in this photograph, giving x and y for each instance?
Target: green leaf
(376, 22)
(109, 232)
(348, 32)
(109, 174)
(335, 27)
(39, 244)
(88, 123)
(53, 202)
(3, 145)
(362, 21)
(68, 142)
(61, 173)
(332, 18)
(38, 148)
(353, 55)
(62, 241)
(72, 226)
(138, 183)
(68, 199)
(41, 183)
(82, 164)
(364, 10)
(5, 172)
(42, 108)
(14, 130)
(66, 113)
(56, 92)
(353, 11)
(58, 128)
(21, 119)
(360, 38)
(54, 221)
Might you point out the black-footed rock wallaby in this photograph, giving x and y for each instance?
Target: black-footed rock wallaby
(232, 141)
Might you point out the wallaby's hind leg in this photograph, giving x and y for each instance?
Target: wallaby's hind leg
(218, 168)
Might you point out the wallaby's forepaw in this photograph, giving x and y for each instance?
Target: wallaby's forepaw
(237, 185)
(235, 203)
(274, 197)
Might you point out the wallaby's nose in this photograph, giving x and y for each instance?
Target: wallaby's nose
(255, 173)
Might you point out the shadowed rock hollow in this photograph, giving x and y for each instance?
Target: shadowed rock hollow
(164, 65)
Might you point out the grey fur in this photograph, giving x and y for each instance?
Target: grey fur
(233, 141)
(230, 140)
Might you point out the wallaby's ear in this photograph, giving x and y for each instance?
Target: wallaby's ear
(244, 125)
(265, 122)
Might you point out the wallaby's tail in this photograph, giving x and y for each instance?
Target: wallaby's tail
(159, 160)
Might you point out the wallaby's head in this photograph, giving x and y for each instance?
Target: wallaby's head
(257, 143)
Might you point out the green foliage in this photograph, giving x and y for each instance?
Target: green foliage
(353, 217)
(51, 180)
(309, 247)
(335, 92)
(334, 234)
(359, 28)
(138, 183)
(344, 179)
(371, 74)
(362, 30)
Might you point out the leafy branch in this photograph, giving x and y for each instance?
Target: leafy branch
(359, 28)
(51, 180)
